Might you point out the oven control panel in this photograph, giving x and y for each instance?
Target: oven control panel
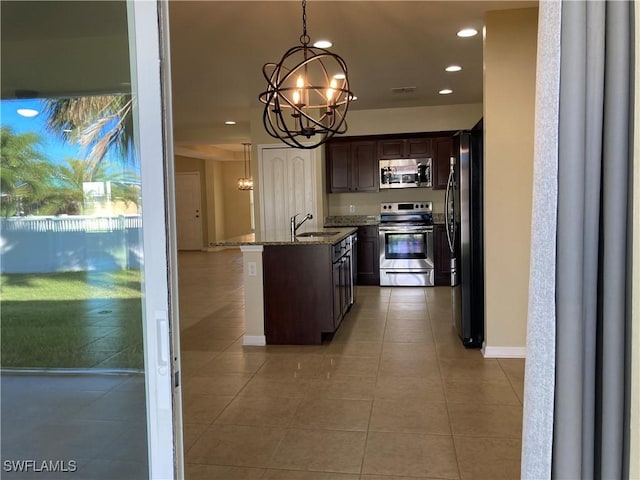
(406, 207)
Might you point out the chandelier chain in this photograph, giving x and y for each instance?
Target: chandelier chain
(244, 151)
(246, 182)
(249, 157)
(304, 38)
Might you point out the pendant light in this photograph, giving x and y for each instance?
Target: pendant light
(307, 95)
(246, 182)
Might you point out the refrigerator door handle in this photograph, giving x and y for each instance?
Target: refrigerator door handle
(449, 223)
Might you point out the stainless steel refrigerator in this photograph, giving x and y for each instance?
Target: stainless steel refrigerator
(464, 224)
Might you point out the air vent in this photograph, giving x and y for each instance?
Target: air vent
(403, 89)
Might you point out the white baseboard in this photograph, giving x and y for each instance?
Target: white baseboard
(254, 340)
(503, 352)
(214, 249)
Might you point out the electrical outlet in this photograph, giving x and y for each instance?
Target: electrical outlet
(352, 209)
(252, 269)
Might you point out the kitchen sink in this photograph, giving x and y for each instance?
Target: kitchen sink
(317, 234)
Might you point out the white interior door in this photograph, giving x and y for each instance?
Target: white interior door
(189, 211)
(301, 180)
(273, 189)
(287, 186)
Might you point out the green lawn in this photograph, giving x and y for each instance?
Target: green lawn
(71, 320)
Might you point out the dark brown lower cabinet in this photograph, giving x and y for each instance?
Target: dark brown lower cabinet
(442, 256)
(306, 292)
(341, 288)
(368, 264)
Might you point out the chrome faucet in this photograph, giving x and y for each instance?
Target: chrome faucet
(295, 226)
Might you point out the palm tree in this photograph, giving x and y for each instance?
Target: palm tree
(99, 124)
(25, 175)
(70, 179)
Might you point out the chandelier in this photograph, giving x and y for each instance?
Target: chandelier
(246, 182)
(307, 94)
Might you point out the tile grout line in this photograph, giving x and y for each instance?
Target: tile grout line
(373, 401)
(520, 400)
(208, 426)
(444, 393)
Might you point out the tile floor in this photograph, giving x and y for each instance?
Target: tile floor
(96, 421)
(392, 396)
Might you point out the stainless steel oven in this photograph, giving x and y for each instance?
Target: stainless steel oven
(406, 244)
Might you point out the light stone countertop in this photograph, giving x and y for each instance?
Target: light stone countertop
(282, 237)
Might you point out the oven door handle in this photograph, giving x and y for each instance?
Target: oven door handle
(406, 229)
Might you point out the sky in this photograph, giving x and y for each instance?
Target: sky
(53, 148)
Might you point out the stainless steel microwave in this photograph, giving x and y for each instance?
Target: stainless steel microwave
(405, 173)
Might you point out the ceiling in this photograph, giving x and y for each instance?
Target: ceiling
(218, 49)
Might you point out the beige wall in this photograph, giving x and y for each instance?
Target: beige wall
(237, 205)
(509, 96)
(215, 200)
(225, 209)
(418, 119)
(369, 203)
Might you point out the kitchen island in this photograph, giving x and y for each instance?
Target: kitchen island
(296, 288)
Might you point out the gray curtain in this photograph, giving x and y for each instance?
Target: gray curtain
(576, 415)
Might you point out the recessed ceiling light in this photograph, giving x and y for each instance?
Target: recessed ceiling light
(467, 32)
(27, 112)
(445, 91)
(323, 44)
(453, 68)
(229, 122)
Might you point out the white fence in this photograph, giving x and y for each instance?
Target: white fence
(70, 243)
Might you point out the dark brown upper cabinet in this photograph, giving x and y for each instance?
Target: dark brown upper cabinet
(352, 166)
(442, 152)
(353, 162)
(404, 148)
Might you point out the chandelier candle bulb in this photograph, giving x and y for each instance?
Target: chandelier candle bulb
(331, 91)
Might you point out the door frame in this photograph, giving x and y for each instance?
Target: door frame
(150, 70)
